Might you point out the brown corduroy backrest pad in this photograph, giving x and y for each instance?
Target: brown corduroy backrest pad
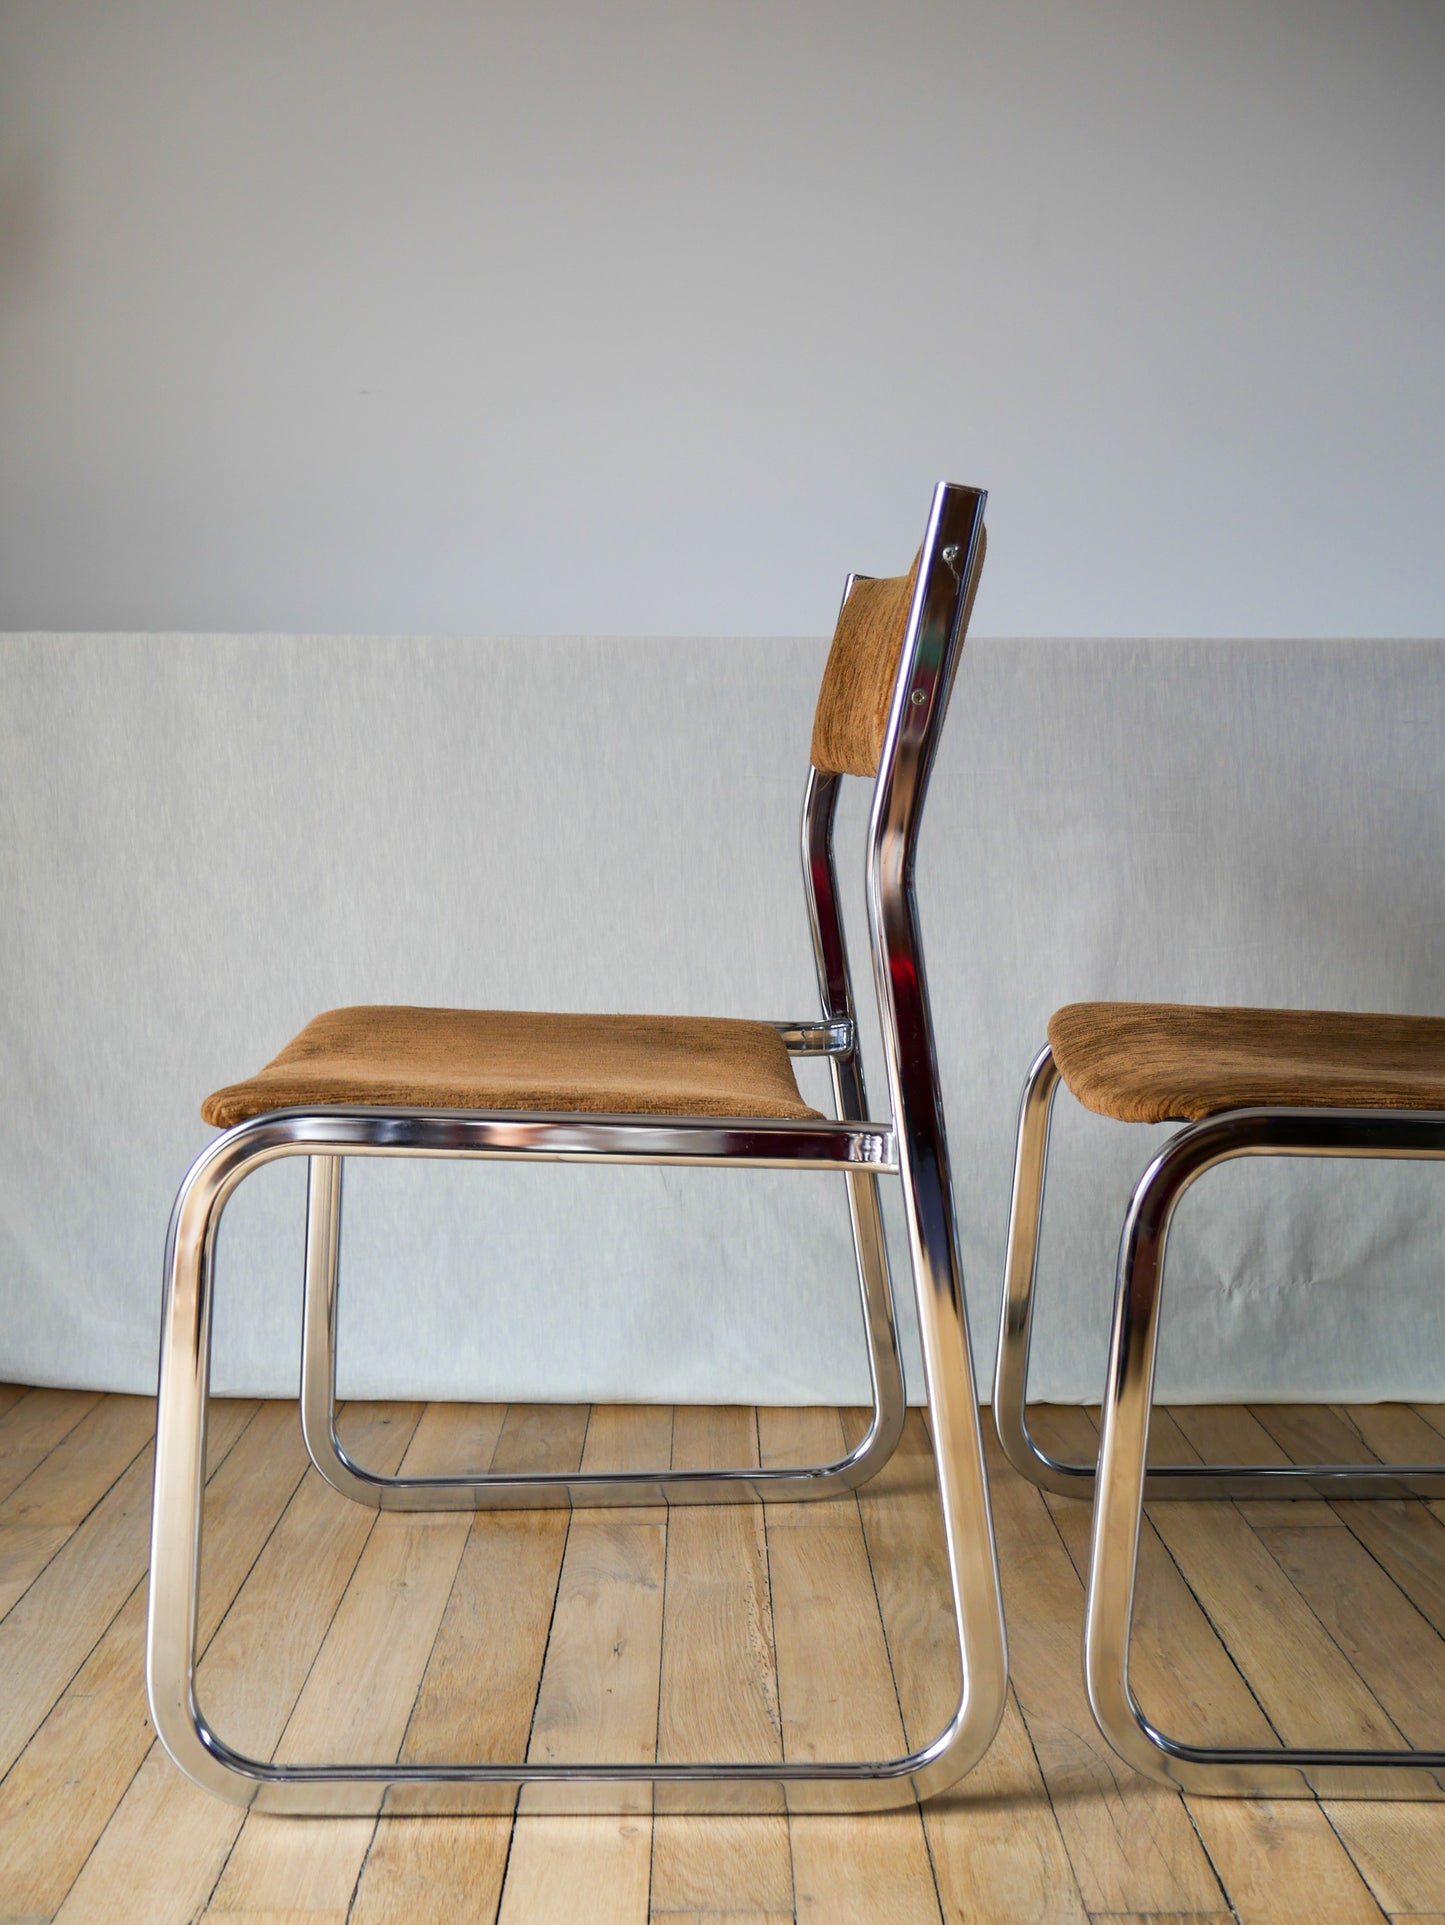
(851, 718)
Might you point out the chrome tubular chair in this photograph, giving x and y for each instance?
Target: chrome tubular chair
(601, 1089)
(1245, 1082)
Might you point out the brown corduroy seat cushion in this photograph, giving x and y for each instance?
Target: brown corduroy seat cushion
(489, 1059)
(1168, 1062)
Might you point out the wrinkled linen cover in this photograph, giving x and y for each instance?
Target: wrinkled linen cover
(209, 840)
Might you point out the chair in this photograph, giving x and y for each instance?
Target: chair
(380, 1081)
(1245, 1082)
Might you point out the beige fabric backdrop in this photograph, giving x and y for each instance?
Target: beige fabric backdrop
(205, 840)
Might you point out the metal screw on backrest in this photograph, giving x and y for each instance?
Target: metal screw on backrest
(918, 698)
(950, 554)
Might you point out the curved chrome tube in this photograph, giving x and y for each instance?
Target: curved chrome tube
(180, 1455)
(1010, 1392)
(912, 1147)
(834, 1037)
(916, 1102)
(1236, 1771)
(1011, 1367)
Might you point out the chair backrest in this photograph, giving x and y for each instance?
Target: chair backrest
(885, 693)
(850, 722)
(880, 713)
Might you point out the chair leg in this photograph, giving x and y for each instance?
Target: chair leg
(1235, 1771)
(175, 1556)
(1010, 1396)
(1016, 1318)
(326, 1789)
(483, 1490)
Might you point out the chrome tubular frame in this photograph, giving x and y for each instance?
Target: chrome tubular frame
(911, 1146)
(1290, 1771)
(1010, 1394)
(834, 1037)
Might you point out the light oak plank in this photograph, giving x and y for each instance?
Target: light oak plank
(996, 1847)
(724, 1918)
(33, 1424)
(803, 1434)
(25, 1550)
(1409, 1541)
(11, 1394)
(836, 1693)
(277, 1918)
(1395, 1433)
(1130, 1842)
(159, 1856)
(357, 1701)
(158, 1860)
(1220, 1434)
(1307, 1686)
(449, 1440)
(80, 1762)
(51, 1631)
(477, 1696)
(719, 1685)
(1183, 1674)
(1282, 1864)
(598, 1699)
(250, 1680)
(1161, 1918)
(1406, 1536)
(1315, 1433)
(1271, 1855)
(598, 1696)
(578, 1867)
(1231, 1434)
(480, 1685)
(536, 1437)
(40, 1514)
(1399, 1849)
(1398, 1653)
(432, 1871)
(628, 1437)
(83, 1465)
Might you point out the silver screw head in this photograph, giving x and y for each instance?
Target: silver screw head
(918, 698)
(950, 553)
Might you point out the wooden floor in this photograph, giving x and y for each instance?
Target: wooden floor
(818, 1629)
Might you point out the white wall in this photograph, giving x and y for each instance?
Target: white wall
(643, 318)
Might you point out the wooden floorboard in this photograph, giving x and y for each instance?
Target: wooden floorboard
(719, 1691)
(1266, 1855)
(836, 1692)
(798, 1631)
(598, 1698)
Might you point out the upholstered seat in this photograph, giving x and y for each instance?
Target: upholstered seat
(489, 1059)
(1181, 1062)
